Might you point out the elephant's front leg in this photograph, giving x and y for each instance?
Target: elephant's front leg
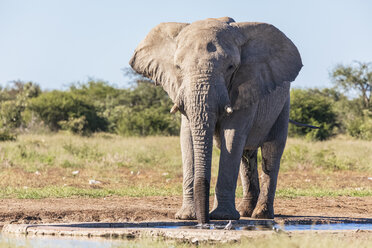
(232, 145)
(250, 183)
(187, 211)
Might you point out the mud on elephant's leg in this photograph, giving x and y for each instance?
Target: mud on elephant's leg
(187, 211)
(250, 183)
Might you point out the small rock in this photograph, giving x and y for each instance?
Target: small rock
(370, 178)
(195, 241)
(75, 172)
(138, 172)
(25, 187)
(94, 182)
(132, 172)
(165, 174)
(307, 180)
(278, 230)
(37, 173)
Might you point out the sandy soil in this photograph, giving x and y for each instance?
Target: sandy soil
(122, 209)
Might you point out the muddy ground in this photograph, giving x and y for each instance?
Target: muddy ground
(123, 209)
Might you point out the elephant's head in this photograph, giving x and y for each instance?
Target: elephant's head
(210, 68)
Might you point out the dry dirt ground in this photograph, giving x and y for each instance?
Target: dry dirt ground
(123, 209)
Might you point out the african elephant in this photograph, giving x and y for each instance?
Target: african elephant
(231, 82)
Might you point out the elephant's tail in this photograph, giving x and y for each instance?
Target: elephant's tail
(302, 125)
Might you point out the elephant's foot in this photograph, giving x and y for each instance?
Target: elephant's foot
(246, 208)
(186, 212)
(262, 211)
(224, 213)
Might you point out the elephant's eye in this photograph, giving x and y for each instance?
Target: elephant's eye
(230, 67)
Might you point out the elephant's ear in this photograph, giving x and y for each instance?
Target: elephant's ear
(153, 58)
(268, 60)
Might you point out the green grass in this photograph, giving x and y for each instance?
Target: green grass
(63, 192)
(321, 192)
(39, 166)
(141, 191)
(340, 153)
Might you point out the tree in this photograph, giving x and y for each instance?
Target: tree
(356, 77)
(356, 113)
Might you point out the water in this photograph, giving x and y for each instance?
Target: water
(11, 240)
(338, 226)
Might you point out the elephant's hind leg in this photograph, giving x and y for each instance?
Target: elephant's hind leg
(272, 151)
(250, 183)
(187, 211)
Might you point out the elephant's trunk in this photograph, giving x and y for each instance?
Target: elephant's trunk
(203, 143)
(203, 106)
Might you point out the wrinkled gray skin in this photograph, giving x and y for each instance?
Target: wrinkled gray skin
(207, 68)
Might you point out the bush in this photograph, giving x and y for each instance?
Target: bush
(361, 126)
(142, 109)
(97, 106)
(65, 110)
(314, 108)
(146, 112)
(14, 101)
(75, 125)
(150, 121)
(6, 135)
(10, 114)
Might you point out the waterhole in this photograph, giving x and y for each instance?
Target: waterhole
(121, 234)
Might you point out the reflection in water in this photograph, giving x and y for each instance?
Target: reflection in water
(287, 227)
(337, 226)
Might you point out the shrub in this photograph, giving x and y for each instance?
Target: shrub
(312, 107)
(360, 127)
(147, 122)
(10, 114)
(6, 135)
(58, 108)
(14, 101)
(142, 109)
(75, 125)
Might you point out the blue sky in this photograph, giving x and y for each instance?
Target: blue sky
(58, 42)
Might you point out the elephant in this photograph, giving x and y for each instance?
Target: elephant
(231, 82)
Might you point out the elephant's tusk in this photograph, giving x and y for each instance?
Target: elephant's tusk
(228, 109)
(174, 109)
